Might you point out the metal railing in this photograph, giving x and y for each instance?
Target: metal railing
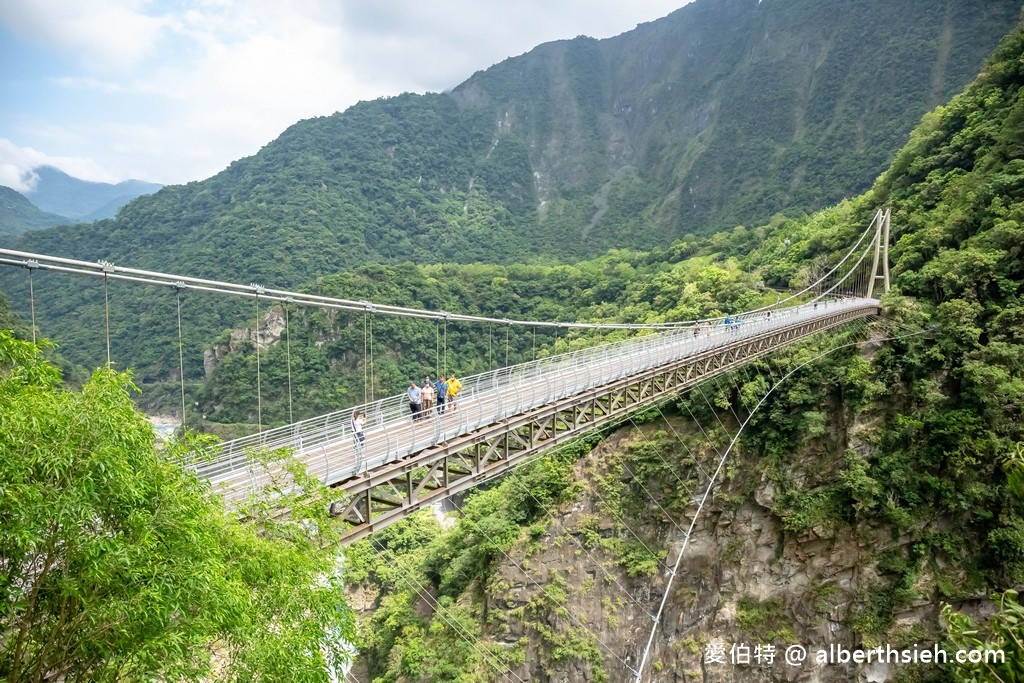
(328, 446)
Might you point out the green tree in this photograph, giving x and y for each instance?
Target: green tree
(118, 563)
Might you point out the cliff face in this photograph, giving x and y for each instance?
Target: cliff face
(726, 111)
(787, 550)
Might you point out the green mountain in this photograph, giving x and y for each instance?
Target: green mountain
(726, 111)
(19, 215)
(84, 200)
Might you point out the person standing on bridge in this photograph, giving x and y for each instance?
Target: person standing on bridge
(415, 399)
(358, 437)
(427, 389)
(454, 387)
(442, 393)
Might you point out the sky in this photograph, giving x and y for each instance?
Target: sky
(171, 91)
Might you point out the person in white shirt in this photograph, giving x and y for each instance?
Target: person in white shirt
(415, 400)
(358, 437)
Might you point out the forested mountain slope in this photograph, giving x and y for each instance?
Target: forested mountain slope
(874, 485)
(18, 215)
(725, 112)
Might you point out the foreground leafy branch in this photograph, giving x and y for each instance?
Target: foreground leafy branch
(117, 563)
(1003, 632)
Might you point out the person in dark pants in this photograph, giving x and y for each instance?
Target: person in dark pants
(441, 388)
(415, 398)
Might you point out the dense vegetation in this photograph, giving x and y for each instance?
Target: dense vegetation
(329, 352)
(117, 563)
(722, 113)
(939, 470)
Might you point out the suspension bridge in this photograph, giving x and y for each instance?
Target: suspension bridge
(508, 416)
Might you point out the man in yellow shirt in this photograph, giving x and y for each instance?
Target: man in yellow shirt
(454, 387)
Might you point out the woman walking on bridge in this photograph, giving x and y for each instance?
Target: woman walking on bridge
(358, 437)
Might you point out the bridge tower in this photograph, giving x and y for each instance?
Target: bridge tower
(881, 252)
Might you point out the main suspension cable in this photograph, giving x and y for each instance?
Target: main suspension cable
(156, 278)
(10, 257)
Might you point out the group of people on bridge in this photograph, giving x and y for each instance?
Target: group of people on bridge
(440, 396)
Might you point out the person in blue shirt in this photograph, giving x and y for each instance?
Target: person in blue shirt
(441, 388)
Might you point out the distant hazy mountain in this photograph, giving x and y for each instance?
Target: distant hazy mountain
(59, 193)
(18, 214)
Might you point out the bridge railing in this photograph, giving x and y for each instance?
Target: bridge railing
(327, 442)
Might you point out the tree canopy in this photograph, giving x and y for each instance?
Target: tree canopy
(118, 563)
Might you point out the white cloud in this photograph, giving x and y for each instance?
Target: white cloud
(108, 34)
(17, 164)
(174, 90)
